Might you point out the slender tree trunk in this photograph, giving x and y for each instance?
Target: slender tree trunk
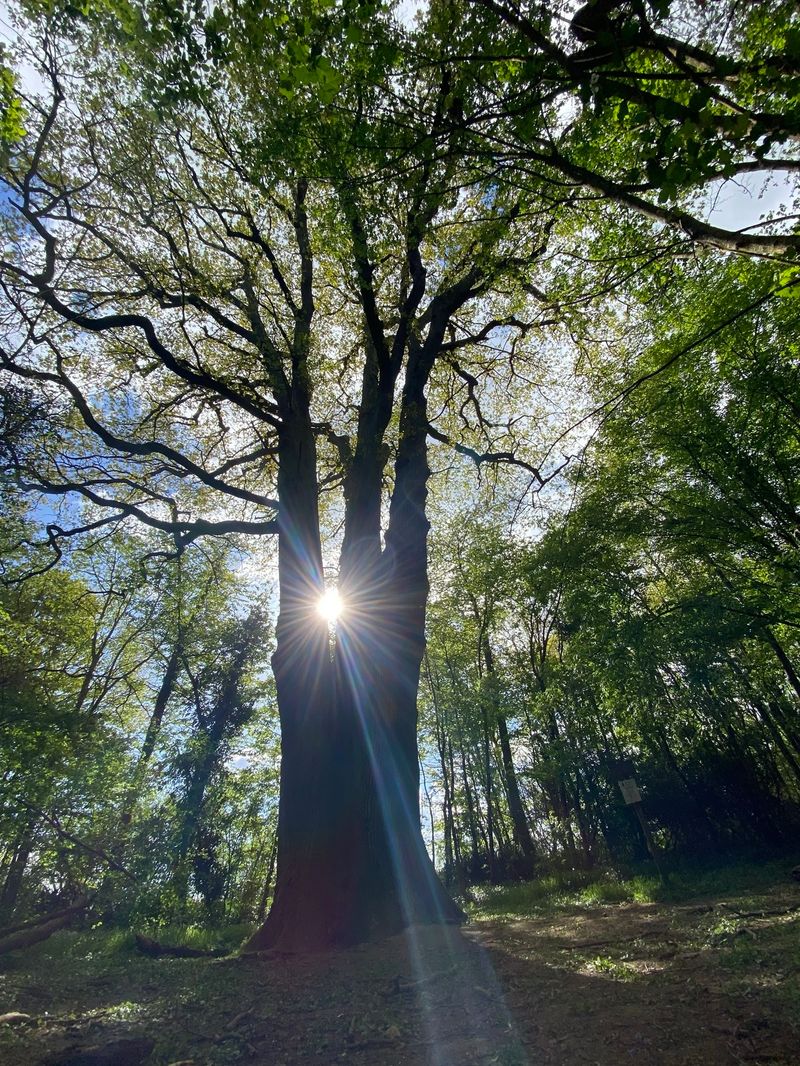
(16, 868)
(519, 821)
(788, 666)
(487, 771)
(764, 715)
(454, 812)
(429, 803)
(587, 831)
(153, 730)
(441, 742)
(674, 765)
(783, 716)
(267, 890)
(472, 821)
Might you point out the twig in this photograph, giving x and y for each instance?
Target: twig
(764, 914)
(615, 940)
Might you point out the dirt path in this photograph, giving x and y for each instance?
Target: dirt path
(710, 984)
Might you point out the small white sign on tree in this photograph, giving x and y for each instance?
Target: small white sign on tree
(630, 791)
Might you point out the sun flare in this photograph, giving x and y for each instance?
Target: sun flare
(330, 605)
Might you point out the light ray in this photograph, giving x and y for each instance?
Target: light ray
(365, 646)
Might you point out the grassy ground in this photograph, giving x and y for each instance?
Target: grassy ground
(559, 971)
(584, 888)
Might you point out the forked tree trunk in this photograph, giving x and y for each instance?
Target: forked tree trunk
(352, 864)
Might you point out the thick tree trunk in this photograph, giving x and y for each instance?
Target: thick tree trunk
(352, 865)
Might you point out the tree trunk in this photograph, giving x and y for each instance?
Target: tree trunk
(784, 660)
(487, 770)
(16, 868)
(351, 861)
(441, 747)
(153, 730)
(522, 833)
(267, 889)
(352, 865)
(454, 812)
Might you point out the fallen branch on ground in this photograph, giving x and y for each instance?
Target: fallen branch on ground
(43, 929)
(616, 939)
(155, 950)
(763, 914)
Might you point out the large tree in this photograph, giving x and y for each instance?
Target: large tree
(236, 299)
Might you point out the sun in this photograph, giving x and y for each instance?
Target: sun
(330, 605)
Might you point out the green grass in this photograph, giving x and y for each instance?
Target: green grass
(228, 938)
(115, 945)
(616, 968)
(578, 888)
(569, 889)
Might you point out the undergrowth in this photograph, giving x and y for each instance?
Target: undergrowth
(581, 888)
(228, 937)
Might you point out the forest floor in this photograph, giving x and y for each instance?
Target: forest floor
(710, 976)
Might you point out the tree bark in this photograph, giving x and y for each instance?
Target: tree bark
(153, 730)
(352, 864)
(267, 889)
(522, 833)
(17, 867)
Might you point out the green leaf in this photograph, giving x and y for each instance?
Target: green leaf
(789, 280)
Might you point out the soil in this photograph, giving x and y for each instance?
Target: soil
(709, 983)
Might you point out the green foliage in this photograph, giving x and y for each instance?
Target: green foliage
(205, 937)
(573, 889)
(12, 112)
(82, 656)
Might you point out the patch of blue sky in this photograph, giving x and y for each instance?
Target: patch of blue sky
(753, 200)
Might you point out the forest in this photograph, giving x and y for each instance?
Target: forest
(399, 445)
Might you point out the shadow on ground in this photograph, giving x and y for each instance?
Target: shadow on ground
(650, 984)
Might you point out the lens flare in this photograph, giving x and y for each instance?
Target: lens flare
(330, 605)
